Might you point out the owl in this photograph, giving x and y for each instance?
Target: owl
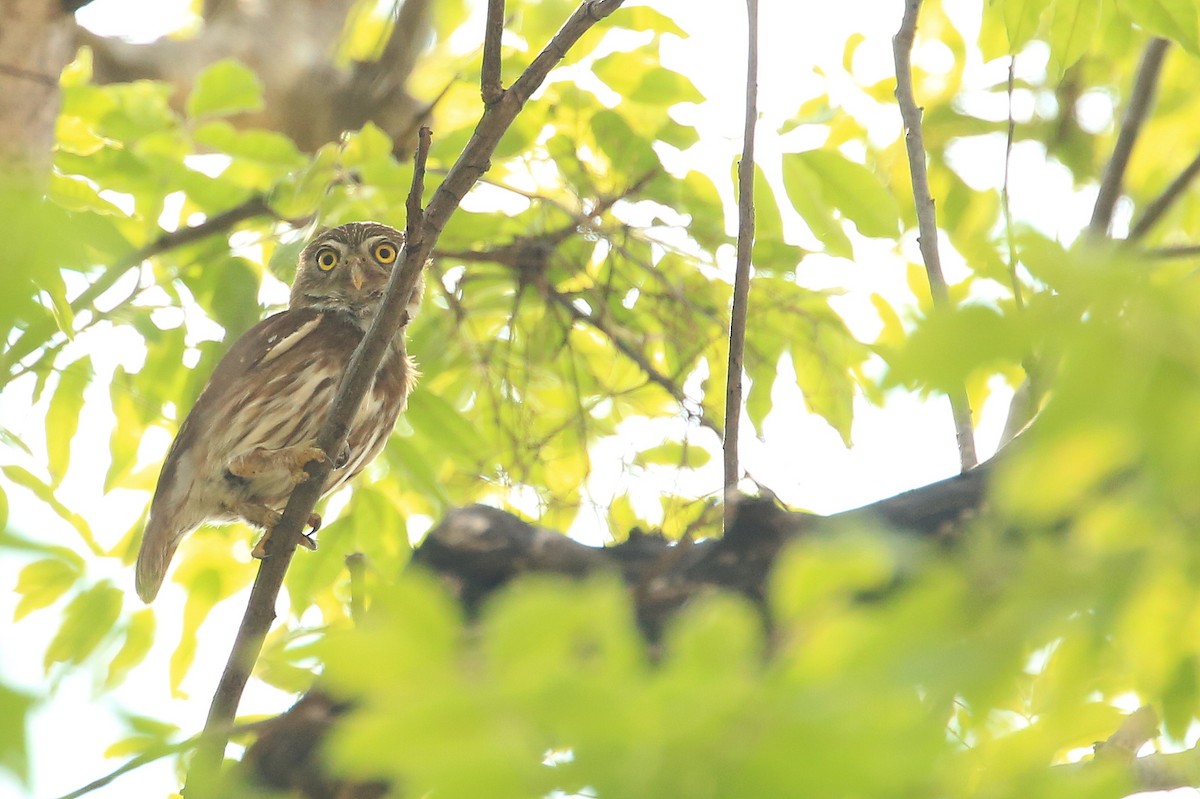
(244, 445)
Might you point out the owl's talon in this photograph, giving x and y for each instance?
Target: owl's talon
(260, 460)
(260, 549)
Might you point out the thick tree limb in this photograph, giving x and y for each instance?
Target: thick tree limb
(745, 246)
(927, 236)
(1141, 98)
(474, 161)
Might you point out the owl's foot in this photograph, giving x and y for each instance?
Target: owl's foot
(292, 460)
(268, 518)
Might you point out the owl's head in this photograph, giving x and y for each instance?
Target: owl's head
(346, 268)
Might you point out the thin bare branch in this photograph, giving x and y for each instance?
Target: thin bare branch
(473, 162)
(745, 246)
(412, 206)
(1141, 97)
(1005, 196)
(148, 757)
(1177, 251)
(1161, 204)
(927, 238)
(490, 86)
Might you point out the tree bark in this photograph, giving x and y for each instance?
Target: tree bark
(36, 41)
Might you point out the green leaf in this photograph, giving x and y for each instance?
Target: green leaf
(1073, 28)
(1021, 21)
(62, 415)
(24, 478)
(14, 709)
(1177, 20)
(629, 154)
(42, 582)
(665, 87)
(139, 637)
(822, 361)
(804, 189)
(949, 345)
(851, 188)
(226, 87)
(262, 146)
(645, 18)
(87, 620)
(674, 453)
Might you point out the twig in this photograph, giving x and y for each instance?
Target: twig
(490, 86)
(1161, 204)
(641, 361)
(473, 162)
(1177, 251)
(1005, 203)
(902, 44)
(745, 246)
(146, 758)
(37, 332)
(413, 232)
(1141, 97)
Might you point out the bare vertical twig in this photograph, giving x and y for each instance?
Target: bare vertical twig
(473, 162)
(1005, 197)
(490, 85)
(902, 44)
(414, 228)
(745, 245)
(1141, 97)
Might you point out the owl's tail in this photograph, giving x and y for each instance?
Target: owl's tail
(158, 547)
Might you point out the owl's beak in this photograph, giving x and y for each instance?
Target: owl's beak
(356, 276)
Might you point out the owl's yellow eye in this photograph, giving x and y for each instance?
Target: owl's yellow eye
(385, 252)
(327, 258)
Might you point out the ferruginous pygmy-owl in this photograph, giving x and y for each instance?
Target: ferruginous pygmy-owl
(244, 446)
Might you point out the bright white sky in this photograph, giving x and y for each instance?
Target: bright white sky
(911, 443)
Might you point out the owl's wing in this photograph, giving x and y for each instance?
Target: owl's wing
(178, 506)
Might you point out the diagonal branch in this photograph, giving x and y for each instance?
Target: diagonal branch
(902, 44)
(1141, 97)
(745, 245)
(473, 162)
(1161, 204)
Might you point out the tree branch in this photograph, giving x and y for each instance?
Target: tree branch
(490, 86)
(1141, 97)
(473, 162)
(1161, 204)
(260, 608)
(745, 246)
(902, 44)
